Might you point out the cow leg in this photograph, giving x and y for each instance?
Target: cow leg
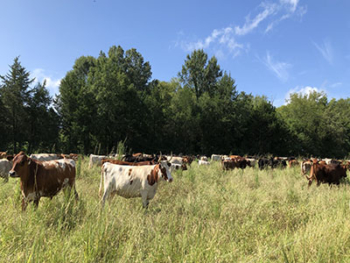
(104, 198)
(36, 202)
(24, 204)
(76, 194)
(310, 182)
(145, 202)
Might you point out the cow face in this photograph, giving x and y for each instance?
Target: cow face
(20, 165)
(165, 171)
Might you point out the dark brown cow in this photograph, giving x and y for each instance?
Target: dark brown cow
(323, 173)
(228, 164)
(42, 179)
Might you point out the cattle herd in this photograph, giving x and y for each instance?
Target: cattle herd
(137, 175)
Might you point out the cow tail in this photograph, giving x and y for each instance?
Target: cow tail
(101, 181)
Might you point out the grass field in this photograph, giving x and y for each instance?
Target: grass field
(205, 215)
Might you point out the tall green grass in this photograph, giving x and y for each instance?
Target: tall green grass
(205, 215)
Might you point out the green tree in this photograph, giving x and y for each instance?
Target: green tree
(43, 121)
(303, 116)
(200, 74)
(15, 95)
(76, 106)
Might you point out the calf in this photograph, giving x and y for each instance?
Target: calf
(42, 179)
(133, 181)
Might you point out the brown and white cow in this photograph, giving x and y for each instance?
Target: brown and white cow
(42, 179)
(133, 181)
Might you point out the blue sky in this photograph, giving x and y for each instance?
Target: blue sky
(270, 48)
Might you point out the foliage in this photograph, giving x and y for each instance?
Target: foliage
(111, 98)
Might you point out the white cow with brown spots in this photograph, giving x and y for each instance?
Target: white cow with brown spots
(42, 179)
(133, 181)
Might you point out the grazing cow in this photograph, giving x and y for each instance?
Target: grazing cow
(305, 167)
(228, 164)
(174, 159)
(272, 162)
(137, 158)
(204, 158)
(264, 163)
(96, 160)
(216, 157)
(3, 155)
(187, 160)
(5, 167)
(293, 163)
(241, 162)
(73, 156)
(252, 161)
(133, 181)
(326, 173)
(45, 156)
(176, 163)
(42, 179)
(202, 162)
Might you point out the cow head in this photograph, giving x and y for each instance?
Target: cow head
(20, 165)
(164, 170)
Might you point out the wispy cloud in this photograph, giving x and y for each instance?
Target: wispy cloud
(280, 69)
(224, 41)
(250, 24)
(51, 84)
(335, 85)
(326, 50)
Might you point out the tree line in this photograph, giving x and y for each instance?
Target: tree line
(112, 98)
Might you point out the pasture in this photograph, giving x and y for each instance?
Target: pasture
(205, 215)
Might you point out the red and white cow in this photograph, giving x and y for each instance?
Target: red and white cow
(133, 181)
(42, 179)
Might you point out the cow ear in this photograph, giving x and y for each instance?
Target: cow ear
(29, 160)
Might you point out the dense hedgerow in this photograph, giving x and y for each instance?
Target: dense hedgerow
(205, 215)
